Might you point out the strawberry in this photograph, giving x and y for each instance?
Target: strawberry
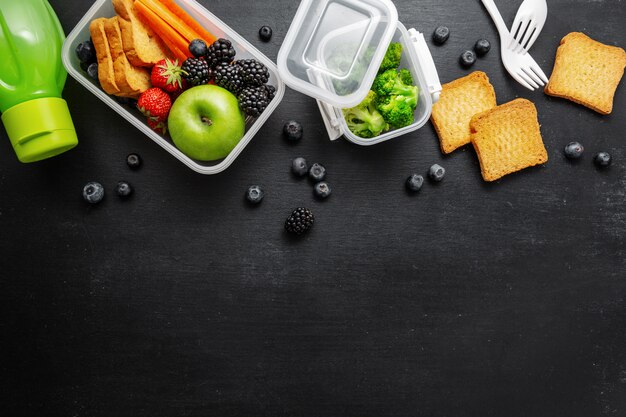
(167, 75)
(155, 104)
(159, 126)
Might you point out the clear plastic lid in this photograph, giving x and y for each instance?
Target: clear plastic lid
(334, 48)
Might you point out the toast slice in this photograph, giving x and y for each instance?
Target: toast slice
(459, 101)
(587, 72)
(507, 139)
(131, 80)
(142, 46)
(106, 73)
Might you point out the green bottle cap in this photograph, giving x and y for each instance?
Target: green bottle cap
(40, 128)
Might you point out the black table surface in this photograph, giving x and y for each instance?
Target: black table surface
(469, 299)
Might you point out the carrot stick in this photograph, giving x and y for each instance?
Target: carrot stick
(189, 21)
(176, 42)
(171, 19)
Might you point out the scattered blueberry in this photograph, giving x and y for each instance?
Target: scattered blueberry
(574, 150)
(93, 192)
(265, 33)
(414, 182)
(198, 48)
(317, 172)
(602, 159)
(436, 172)
(299, 167)
(467, 59)
(482, 47)
(133, 160)
(292, 130)
(255, 194)
(322, 190)
(123, 189)
(86, 52)
(441, 35)
(92, 71)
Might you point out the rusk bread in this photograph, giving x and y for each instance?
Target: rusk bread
(460, 100)
(507, 139)
(587, 72)
(131, 80)
(106, 73)
(142, 46)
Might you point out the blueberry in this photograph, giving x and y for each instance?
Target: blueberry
(92, 71)
(299, 167)
(198, 48)
(482, 47)
(574, 150)
(322, 190)
(265, 33)
(436, 172)
(441, 35)
(317, 172)
(602, 159)
(255, 194)
(133, 160)
(414, 182)
(292, 130)
(86, 52)
(123, 189)
(467, 59)
(93, 192)
(85, 65)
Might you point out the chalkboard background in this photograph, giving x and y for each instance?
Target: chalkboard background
(469, 299)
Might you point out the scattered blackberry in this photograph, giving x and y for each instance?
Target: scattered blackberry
(229, 77)
(271, 92)
(198, 48)
(253, 100)
(220, 52)
(253, 72)
(197, 71)
(299, 221)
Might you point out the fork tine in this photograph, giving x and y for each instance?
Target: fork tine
(521, 81)
(537, 69)
(532, 75)
(526, 78)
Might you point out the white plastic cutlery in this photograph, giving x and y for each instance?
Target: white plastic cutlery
(518, 63)
(528, 23)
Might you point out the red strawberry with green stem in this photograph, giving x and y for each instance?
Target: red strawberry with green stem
(155, 104)
(167, 75)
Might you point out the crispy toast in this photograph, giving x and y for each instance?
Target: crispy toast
(106, 72)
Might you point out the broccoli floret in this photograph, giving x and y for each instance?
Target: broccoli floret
(398, 111)
(364, 120)
(406, 77)
(389, 83)
(392, 57)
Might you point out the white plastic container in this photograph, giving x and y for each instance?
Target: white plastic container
(104, 8)
(360, 30)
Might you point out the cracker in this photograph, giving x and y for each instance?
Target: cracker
(507, 139)
(459, 101)
(587, 72)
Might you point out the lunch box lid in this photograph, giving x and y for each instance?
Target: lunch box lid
(334, 48)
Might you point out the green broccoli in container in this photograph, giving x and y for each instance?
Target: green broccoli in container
(392, 57)
(364, 120)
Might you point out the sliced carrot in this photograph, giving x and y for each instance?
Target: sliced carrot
(174, 40)
(171, 19)
(189, 21)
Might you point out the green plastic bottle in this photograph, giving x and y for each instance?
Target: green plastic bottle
(32, 77)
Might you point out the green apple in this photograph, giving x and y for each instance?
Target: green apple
(206, 123)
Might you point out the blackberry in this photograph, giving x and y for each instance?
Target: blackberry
(253, 72)
(220, 52)
(229, 77)
(196, 71)
(253, 100)
(271, 92)
(299, 221)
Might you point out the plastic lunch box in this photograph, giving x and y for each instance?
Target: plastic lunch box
(360, 30)
(343, 42)
(104, 8)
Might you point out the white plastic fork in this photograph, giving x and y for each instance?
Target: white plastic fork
(528, 23)
(520, 64)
